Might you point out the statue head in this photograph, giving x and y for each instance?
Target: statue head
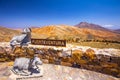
(26, 30)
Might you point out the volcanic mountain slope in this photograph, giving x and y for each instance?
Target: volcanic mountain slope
(6, 34)
(57, 32)
(117, 31)
(74, 33)
(83, 31)
(91, 26)
(99, 31)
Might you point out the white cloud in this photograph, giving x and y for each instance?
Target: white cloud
(109, 25)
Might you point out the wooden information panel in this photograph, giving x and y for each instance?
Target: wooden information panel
(48, 42)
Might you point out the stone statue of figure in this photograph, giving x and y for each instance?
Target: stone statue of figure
(23, 39)
(27, 66)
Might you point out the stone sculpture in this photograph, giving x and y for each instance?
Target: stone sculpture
(23, 39)
(26, 64)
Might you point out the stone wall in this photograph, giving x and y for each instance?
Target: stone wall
(75, 58)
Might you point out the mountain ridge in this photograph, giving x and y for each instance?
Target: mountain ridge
(91, 26)
(73, 32)
(88, 31)
(117, 31)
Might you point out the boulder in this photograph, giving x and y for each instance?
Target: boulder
(45, 61)
(67, 53)
(8, 50)
(79, 52)
(115, 60)
(90, 54)
(77, 55)
(59, 54)
(97, 68)
(109, 65)
(3, 53)
(29, 51)
(51, 60)
(104, 58)
(66, 64)
(19, 52)
(110, 71)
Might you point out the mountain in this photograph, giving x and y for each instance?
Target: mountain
(85, 31)
(117, 30)
(91, 26)
(6, 34)
(72, 33)
(56, 31)
(98, 30)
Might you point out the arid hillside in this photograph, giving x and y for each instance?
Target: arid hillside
(117, 31)
(6, 34)
(81, 32)
(75, 34)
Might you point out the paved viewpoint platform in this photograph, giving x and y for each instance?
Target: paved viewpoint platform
(57, 72)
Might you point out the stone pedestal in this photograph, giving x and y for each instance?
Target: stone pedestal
(34, 76)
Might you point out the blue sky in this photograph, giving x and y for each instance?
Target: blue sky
(26, 13)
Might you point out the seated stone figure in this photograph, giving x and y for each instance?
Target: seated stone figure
(31, 65)
(23, 39)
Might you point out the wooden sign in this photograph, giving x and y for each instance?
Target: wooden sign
(48, 42)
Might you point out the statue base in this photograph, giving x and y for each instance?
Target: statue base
(35, 76)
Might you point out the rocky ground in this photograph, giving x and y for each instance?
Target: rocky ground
(56, 72)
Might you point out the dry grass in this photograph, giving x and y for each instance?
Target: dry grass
(99, 44)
